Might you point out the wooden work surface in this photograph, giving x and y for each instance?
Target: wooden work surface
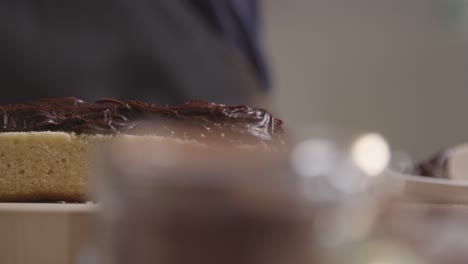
(44, 233)
(57, 233)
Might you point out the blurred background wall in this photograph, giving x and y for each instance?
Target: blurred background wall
(399, 67)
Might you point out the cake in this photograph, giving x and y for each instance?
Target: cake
(451, 163)
(45, 144)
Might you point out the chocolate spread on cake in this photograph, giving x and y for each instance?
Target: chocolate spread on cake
(434, 167)
(191, 120)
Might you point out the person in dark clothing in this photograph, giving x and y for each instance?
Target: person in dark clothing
(164, 52)
(238, 22)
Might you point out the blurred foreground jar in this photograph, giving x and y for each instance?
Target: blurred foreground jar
(368, 215)
(178, 203)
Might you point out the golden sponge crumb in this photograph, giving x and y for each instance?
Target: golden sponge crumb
(55, 166)
(42, 166)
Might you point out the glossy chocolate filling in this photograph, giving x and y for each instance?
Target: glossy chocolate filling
(191, 120)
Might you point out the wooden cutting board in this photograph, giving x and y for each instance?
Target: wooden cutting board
(44, 233)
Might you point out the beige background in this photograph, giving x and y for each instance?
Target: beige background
(395, 66)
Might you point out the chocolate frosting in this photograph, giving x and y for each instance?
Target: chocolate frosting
(436, 167)
(191, 120)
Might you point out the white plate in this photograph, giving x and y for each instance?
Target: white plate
(432, 190)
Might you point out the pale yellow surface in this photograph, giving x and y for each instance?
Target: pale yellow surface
(55, 166)
(44, 165)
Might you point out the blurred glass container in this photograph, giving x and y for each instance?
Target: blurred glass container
(183, 203)
(364, 217)
(326, 201)
(335, 165)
